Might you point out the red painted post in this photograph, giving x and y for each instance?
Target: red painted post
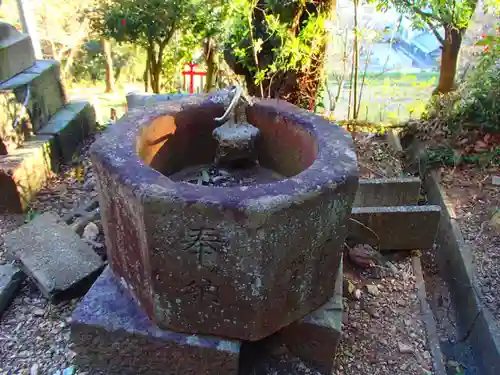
(191, 73)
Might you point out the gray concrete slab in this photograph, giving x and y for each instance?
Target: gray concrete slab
(46, 92)
(16, 52)
(113, 336)
(395, 228)
(70, 126)
(11, 278)
(386, 192)
(62, 264)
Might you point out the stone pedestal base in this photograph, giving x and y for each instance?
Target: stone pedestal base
(113, 336)
(315, 338)
(24, 170)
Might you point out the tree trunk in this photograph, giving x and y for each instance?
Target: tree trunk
(300, 86)
(106, 48)
(356, 62)
(209, 55)
(449, 59)
(145, 76)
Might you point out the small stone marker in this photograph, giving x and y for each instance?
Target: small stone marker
(54, 256)
(395, 228)
(495, 180)
(386, 192)
(11, 278)
(114, 336)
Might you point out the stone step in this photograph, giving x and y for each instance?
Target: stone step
(395, 228)
(46, 91)
(108, 325)
(16, 52)
(70, 126)
(11, 279)
(54, 256)
(386, 192)
(24, 170)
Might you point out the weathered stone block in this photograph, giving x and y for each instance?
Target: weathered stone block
(238, 262)
(16, 52)
(112, 335)
(11, 278)
(315, 338)
(386, 192)
(137, 99)
(23, 172)
(395, 228)
(46, 92)
(61, 263)
(70, 126)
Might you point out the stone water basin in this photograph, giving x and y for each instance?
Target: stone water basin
(240, 260)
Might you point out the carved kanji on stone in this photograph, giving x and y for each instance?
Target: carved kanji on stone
(202, 292)
(206, 244)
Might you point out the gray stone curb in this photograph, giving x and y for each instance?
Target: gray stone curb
(428, 319)
(454, 258)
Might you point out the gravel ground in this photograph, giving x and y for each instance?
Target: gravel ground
(382, 330)
(476, 202)
(34, 335)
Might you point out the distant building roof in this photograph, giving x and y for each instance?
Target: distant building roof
(426, 42)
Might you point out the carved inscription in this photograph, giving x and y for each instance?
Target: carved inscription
(206, 244)
(202, 292)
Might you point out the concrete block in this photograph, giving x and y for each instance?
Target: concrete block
(113, 336)
(11, 278)
(386, 192)
(23, 172)
(395, 228)
(46, 92)
(315, 338)
(54, 256)
(16, 52)
(70, 126)
(135, 99)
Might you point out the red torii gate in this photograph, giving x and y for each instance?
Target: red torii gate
(191, 73)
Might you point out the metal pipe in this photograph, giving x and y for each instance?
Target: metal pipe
(232, 105)
(23, 106)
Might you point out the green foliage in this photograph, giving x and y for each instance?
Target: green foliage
(476, 102)
(446, 155)
(479, 102)
(293, 41)
(128, 62)
(433, 13)
(140, 22)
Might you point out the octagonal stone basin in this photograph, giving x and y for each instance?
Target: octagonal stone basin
(239, 262)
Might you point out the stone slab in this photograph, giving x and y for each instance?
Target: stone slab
(16, 52)
(70, 126)
(386, 192)
(395, 228)
(455, 261)
(139, 99)
(46, 91)
(61, 263)
(315, 338)
(113, 336)
(11, 278)
(24, 170)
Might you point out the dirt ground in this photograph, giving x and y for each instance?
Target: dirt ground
(476, 201)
